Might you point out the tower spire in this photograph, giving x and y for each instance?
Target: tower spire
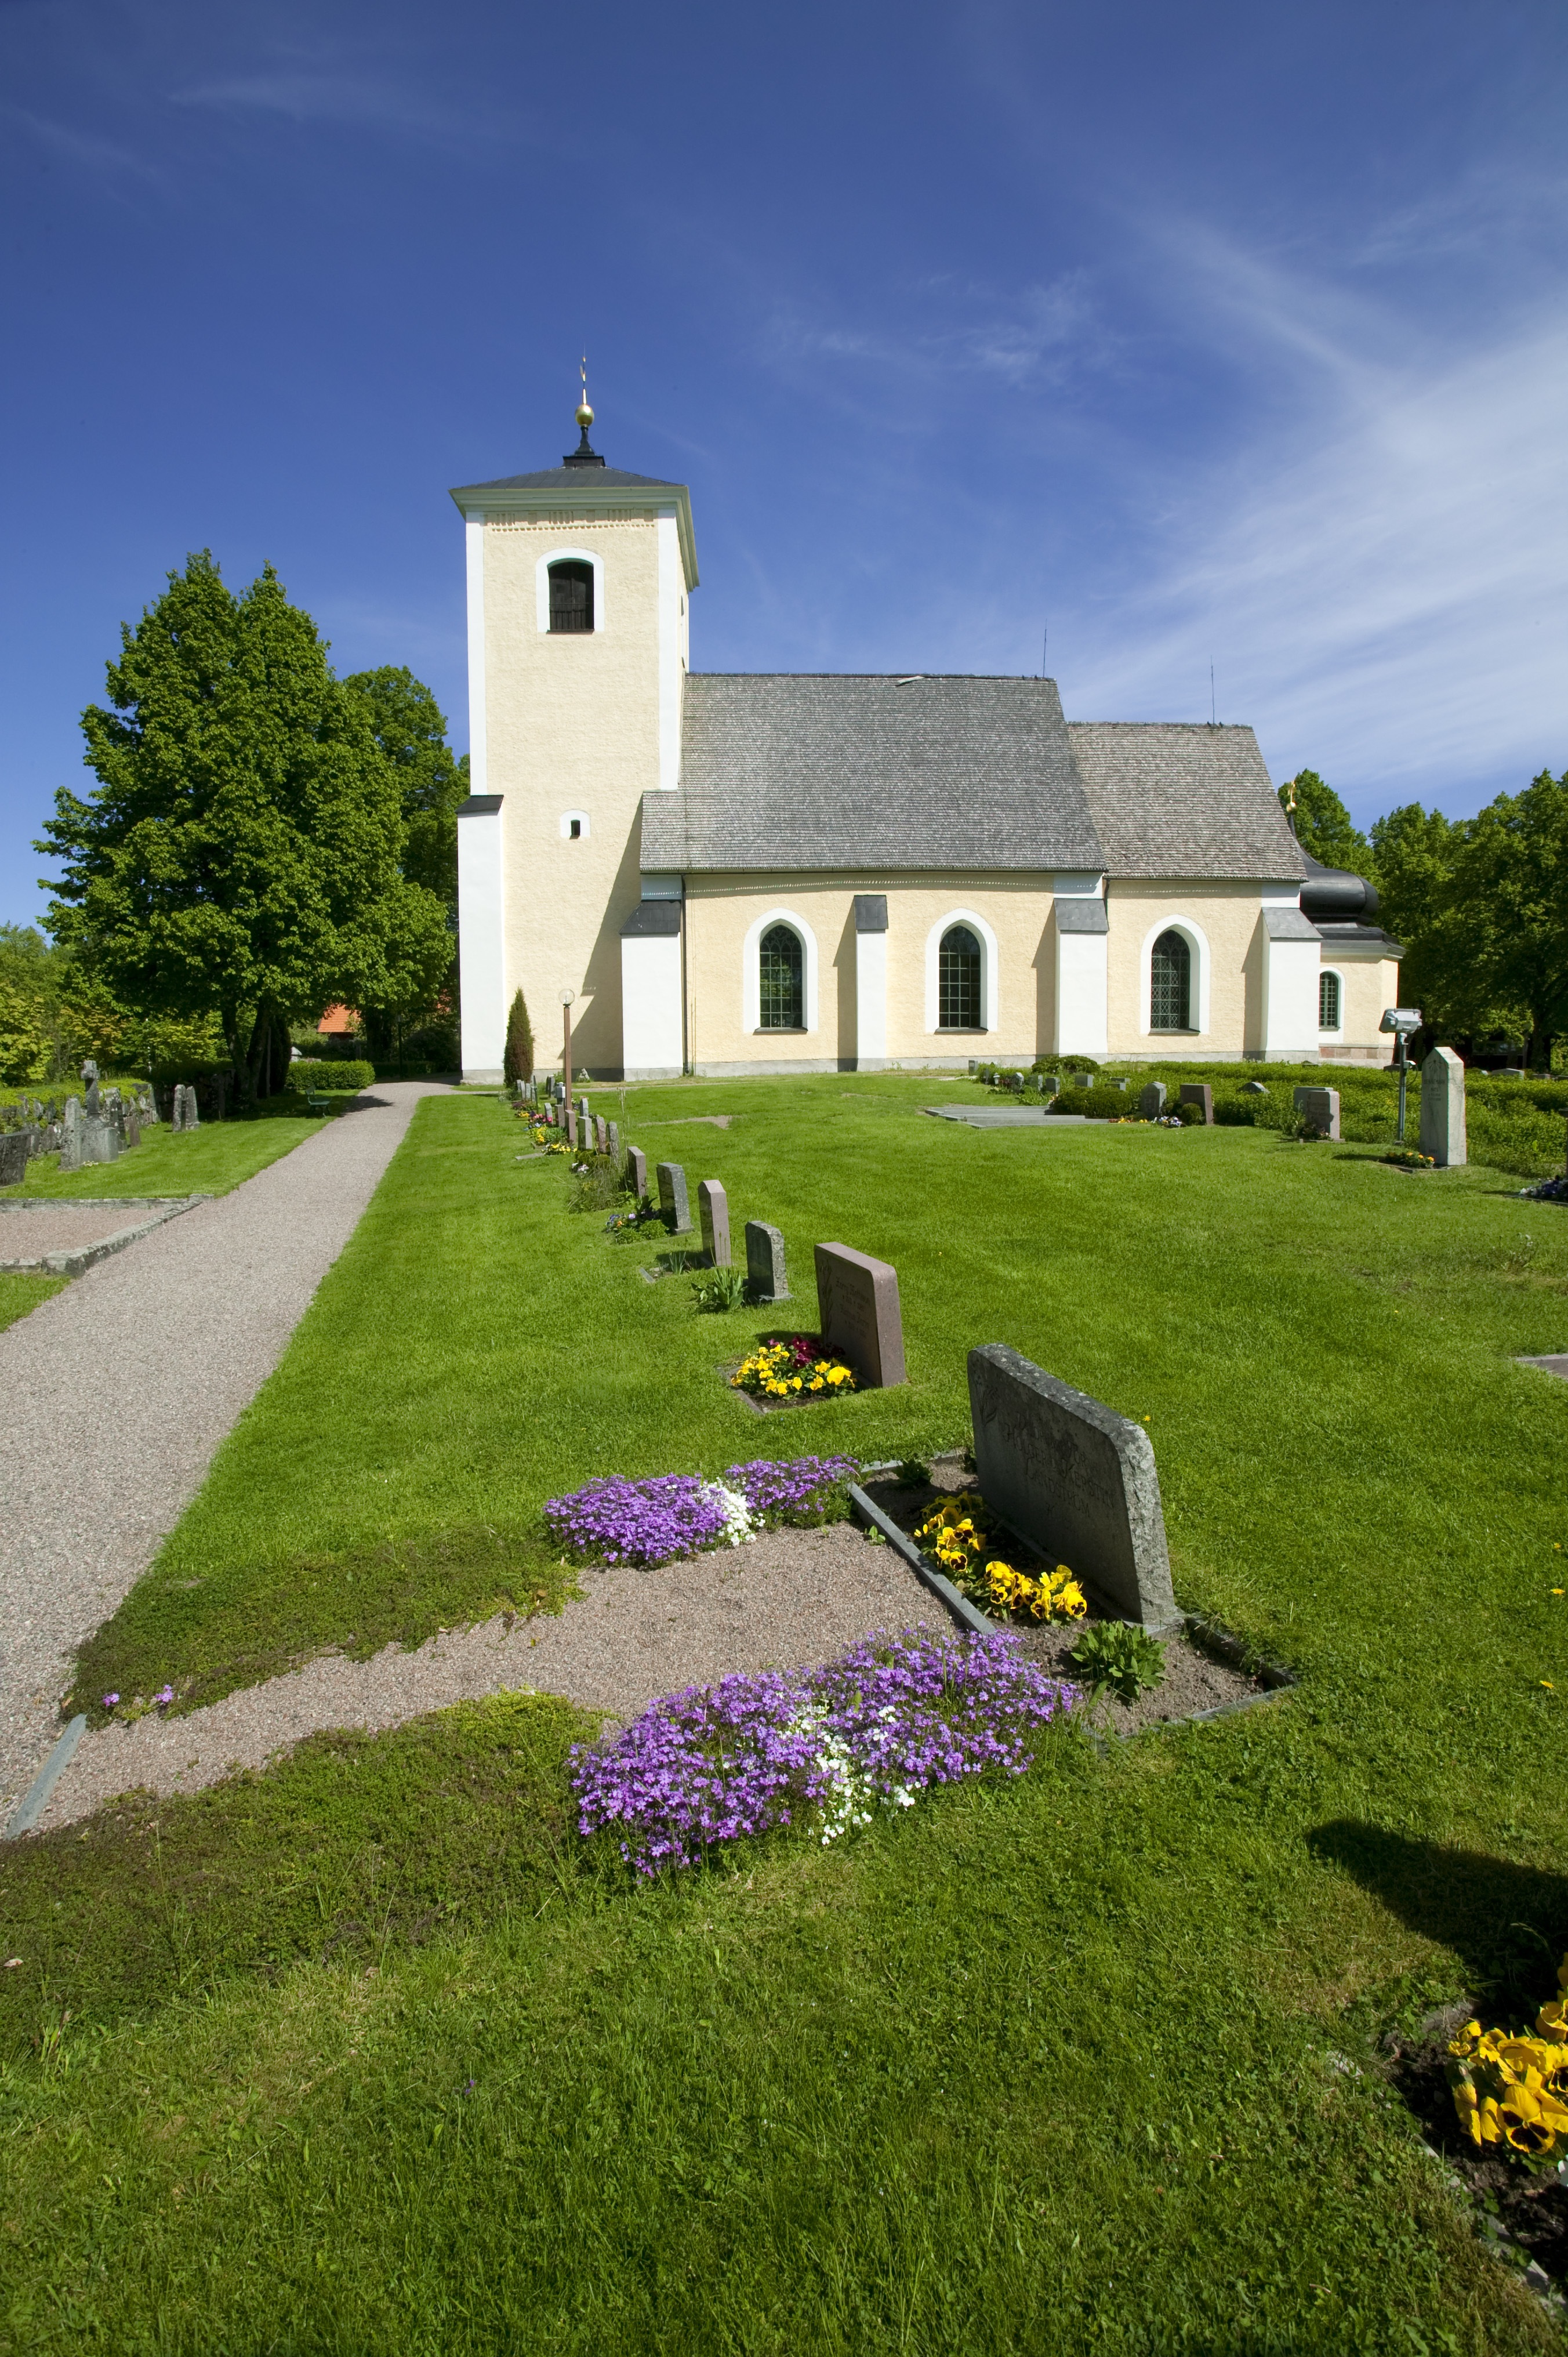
(585, 455)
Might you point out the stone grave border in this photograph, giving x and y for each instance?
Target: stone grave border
(1207, 1635)
(72, 1263)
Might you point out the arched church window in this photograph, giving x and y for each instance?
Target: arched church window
(782, 977)
(958, 981)
(1170, 985)
(1329, 1002)
(571, 596)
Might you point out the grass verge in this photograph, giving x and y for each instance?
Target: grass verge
(18, 1294)
(206, 1161)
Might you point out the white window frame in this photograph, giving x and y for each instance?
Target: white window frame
(542, 585)
(988, 972)
(1331, 1030)
(582, 819)
(1197, 940)
(751, 973)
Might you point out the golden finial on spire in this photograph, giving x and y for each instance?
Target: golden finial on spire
(584, 413)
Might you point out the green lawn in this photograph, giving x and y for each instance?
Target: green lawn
(20, 1294)
(1044, 2067)
(205, 1161)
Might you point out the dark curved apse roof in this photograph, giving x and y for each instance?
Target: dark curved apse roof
(555, 479)
(835, 770)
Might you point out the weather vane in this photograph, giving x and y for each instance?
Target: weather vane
(584, 414)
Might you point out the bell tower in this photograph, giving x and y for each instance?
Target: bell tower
(579, 588)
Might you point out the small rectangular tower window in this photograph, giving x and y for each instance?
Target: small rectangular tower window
(1329, 1002)
(571, 596)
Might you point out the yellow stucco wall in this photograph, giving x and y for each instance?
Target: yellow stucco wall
(572, 725)
(1369, 985)
(1227, 917)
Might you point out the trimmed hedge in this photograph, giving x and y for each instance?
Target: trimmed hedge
(334, 1073)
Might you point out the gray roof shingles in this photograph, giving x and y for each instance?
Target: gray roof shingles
(555, 479)
(791, 771)
(1170, 798)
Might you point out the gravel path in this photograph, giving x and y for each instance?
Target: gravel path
(115, 1393)
(789, 1599)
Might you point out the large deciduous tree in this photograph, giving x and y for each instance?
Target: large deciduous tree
(1509, 894)
(1323, 825)
(240, 854)
(409, 728)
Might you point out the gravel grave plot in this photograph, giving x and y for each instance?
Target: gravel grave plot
(28, 1230)
(115, 1393)
(1194, 1681)
(786, 1600)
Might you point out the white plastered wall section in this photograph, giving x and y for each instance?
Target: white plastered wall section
(1082, 967)
(651, 1028)
(871, 1001)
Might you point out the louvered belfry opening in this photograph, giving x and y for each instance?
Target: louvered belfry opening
(571, 596)
(1170, 985)
(958, 981)
(782, 978)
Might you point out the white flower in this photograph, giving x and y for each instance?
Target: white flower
(735, 1512)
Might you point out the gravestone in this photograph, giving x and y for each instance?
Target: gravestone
(1443, 1108)
(1321, 1107)
(70, 1136)
(90, 1074)
(1152, 1102)
(858, 1314)
(672, 1202)
(133, 1128)
(571, 1124)
(601, 1134)
(1254, 1089)
(1050, 1084)
(1076, 1480)
(612, 1142)
(100, 1139)
(637, 1171)
(1199, 1093)
(1113, 1084)
(13, 1157)
(712, 1211)
(766, 1277)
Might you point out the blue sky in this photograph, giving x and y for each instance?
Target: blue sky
(1206, 334)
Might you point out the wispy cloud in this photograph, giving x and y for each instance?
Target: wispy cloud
(312, 96)
(948, 330)
(84, 151)
(1379, 575)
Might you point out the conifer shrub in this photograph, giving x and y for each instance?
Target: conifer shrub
(518, 1062)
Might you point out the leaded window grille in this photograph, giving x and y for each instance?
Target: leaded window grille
(571, 596)
(782, 977)
(1170, 985)
(958, 981)
(1329, 1002)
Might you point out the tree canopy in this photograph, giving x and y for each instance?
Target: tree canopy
(242, 853)
(1323, 825)
(410, 729)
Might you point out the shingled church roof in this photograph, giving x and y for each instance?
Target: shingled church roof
(835, 770)
(1173, 797)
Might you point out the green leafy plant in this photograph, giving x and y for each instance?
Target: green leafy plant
(719, 1290)
(595, 1184)
(1117, 1657)
(338, 1073)
(912, 1474)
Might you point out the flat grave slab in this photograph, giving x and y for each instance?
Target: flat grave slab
(1008, 1116)
(60, 1236)
(1554, 1363)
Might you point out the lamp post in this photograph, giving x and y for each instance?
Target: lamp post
(566, 999)
(1401, 1021)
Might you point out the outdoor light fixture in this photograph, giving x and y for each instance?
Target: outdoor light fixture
(1401, 1021)
(568, 996)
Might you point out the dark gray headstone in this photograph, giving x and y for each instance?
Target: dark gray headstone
(1443, 1108)
(13, 1157)
(1199, 1093)
(90, 1075)
(601, 1134)
(858, 1314)
(1152, 1102)
(133, 1128)
(1076, 1480)
(672, 1201)
(766, 1277)
(1321, 1107)
(1050, 1084)
(712, 1211)
(1113, 1084)
(637, 1171)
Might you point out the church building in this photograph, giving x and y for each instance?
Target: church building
(734, 872)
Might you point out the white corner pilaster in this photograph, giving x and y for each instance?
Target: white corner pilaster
(1082, 977)
(671, 644)
(870, 982)
(652, 1033)
(474, 536)
(481, 936)
(1293, 962)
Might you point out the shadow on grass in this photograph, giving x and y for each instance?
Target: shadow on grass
(1508, 1924)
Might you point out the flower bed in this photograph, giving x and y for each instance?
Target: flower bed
(1513, 2092)
(793, 1369)
(1406, 1158)
(827, 1747)
(958, 1533)
(673, 1515)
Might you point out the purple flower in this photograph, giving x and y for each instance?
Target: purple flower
(110, 1700)
(887, 1719)
(165, 1695)
(796, 1489)
(674, 1514)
